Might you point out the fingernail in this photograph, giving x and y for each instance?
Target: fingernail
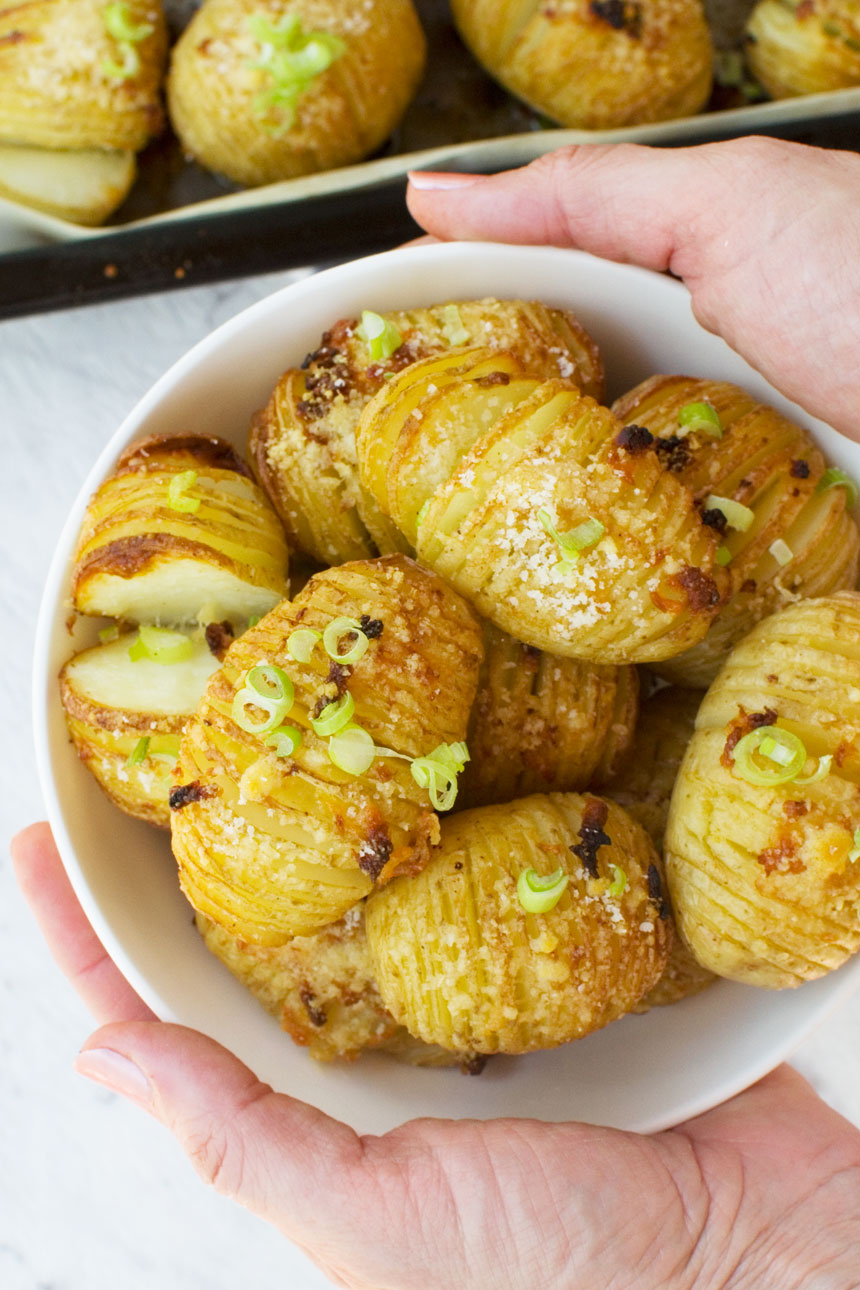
(116, 1072)
(427, 180)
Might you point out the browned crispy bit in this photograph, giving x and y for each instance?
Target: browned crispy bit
(741, 725)
(375, 851)
(634, 439)
(308, 998)
(185, 794)
(591, 834)
(219, 638)
(702, 592)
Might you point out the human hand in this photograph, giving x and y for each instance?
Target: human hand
(764, 1191)
(765, 234)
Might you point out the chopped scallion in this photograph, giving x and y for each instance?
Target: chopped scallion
(301, 642)
(737, 516)
(723, 556)
(572, 544)
(334, 716)
(286, 740)
(138, 752)
(618, 886)
(419, 518)
(821, 770)
(160, 645)
(438, 773)
(177, 491)
(338, 628)
(854, 853)
(381, 337)
(539, 895)
(352, 750)
(781, 552)
(266, 687)
(118, 23)
(452, 328)
(108, 634)
(293, 59)
(769, 756)
(833, 477)
(701, 417)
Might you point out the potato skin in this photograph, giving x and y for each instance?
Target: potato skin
(346, 112)
(303, 442)
(541, 723)
(643, 784)
(807, 48)
(112, 703)
(593, 64)
(480, 451)
(271, 847)
(761, 881)
(459, 961)
(139, 558)
(54, 90)
(769, 464)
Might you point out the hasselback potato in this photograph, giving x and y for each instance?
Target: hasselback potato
(804, 48)
(303, 441)
(179, 533)
(594, 64)
(530, 499)
(126, 714)
(798, 539)
(261, 90)
(541, 723)
(461, 963)
(275, 840)
(763, 839)
(643, 784)
(81, 73)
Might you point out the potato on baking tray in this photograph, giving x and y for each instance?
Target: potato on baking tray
(763, 485)
(806, 48)
(594, 64)
(530, 499)
(262, 90)
(297, 789)
(179, 533)
(763, 839)
(535, 923)
(303, 441)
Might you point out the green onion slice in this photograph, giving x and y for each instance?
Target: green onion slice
(138, 752)
(618, 886)
(286, 740)
(438, 773)
(118, 23)
(723, 556)
(253, 620)
(821, 770)
(781, 552)
(177, 490)
(339, 627)
(419, 518)
(452, 327)
(267, 687)
(352, 750)
(833, 477)
(108, 634)
(702, 417)
(293, 58)
(129, 66)
(539, 895)
(301, 642)
(769, 756)
(854, 853)
(737, 516)
(572, 544)
(334, 716)
(382, 338)
(160, 646)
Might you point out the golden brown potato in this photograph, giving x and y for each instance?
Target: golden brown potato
(594, 64)
(126, 715)
(643, 785)
(530, 500)
(274, 843)
(261, 90)
(180, 533)
(765, 876)
(804, 48)
(461, 963)
(799, 541)
(303, 441)
(81, 73)
(543, 723)
(83, 186)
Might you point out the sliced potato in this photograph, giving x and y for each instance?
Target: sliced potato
(765, 877)
(274, 846)
(497, 474)
(594, 64)
(67, 82)
(303, 441)
(799, 541)
(180, 533)
(84, 187)
(461, 963)
(232, 85)
(118, 709)
(543, 723)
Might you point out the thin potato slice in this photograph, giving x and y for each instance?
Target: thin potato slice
(519, 459)
(461, 963)
(119, 710)
(84, 186)
(544, 724)
(765, 880)
(272, 846)
(800, 542)
(303, 441)
(180, 533)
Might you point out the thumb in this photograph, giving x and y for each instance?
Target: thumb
(273, 1154)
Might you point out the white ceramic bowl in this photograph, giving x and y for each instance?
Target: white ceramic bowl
(644, 1073)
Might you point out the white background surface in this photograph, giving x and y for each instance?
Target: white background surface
(93, 1194)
